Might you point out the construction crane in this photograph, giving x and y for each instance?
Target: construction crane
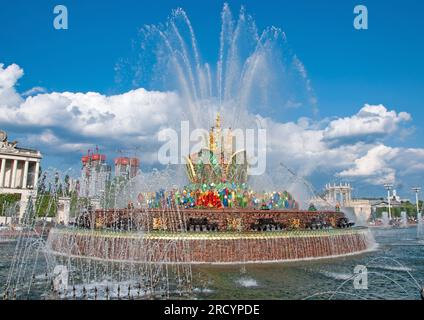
(129, 151)
(305, 182)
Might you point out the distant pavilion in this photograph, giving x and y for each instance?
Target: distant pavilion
(19, 171)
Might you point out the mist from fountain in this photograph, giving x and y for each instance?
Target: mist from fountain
(404, 219)
(36, 267)
(385, 219)
(420, 226)
(256, 75)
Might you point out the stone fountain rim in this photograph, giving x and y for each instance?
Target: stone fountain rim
(221, 235)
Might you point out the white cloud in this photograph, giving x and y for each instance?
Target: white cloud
(304, 147)
(48, 140)
(9, 76)
(33, 91)
(383, 164)
(92, 114)
(374, 166)
(370, 122)
(65, 122)
(67, 119)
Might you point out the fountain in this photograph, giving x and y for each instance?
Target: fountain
(385, 219)
(140, 238)
(403, 219)
(34, 268)
(217, 218)
(60, 281)
(420, 225)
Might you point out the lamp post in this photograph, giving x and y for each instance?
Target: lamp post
(417, 190)
(389, 187)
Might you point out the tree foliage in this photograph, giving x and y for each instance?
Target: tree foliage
(8, 202)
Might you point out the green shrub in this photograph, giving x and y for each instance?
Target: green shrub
(7, 201)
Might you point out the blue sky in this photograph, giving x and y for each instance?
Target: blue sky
(347, 68)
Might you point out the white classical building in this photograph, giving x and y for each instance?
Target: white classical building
(341, 195)
(19, 170)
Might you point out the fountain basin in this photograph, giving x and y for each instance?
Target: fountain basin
(10, 235)
(211, 248)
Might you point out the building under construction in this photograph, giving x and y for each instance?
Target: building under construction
(94, 175)
(126, 167)
(96, 172)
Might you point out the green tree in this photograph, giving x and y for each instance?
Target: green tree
(46, 205)
(7, 202)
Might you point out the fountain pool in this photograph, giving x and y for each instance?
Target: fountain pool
(398, 254)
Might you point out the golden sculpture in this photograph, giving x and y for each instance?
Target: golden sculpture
(217, 162)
